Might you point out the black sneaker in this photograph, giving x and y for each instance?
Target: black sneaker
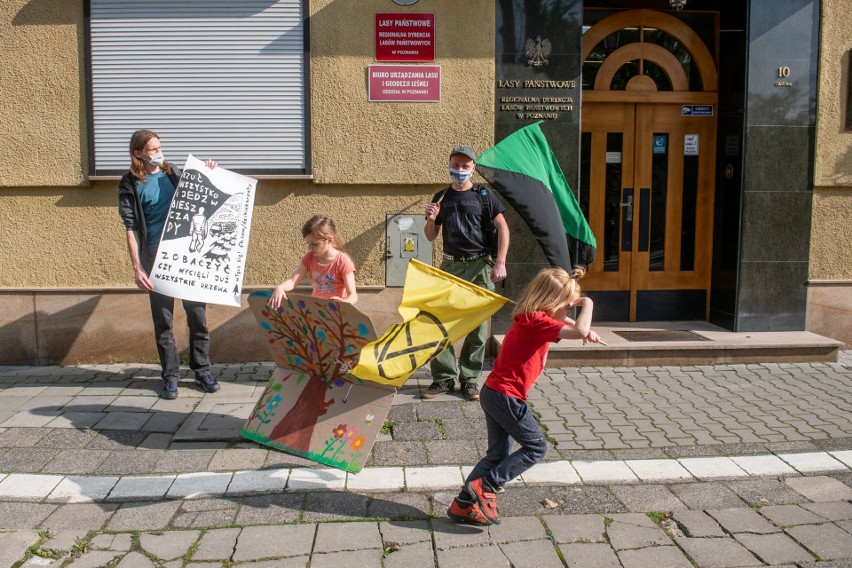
(470, 391)
(207, 382)
(436, 389)
(169, 389)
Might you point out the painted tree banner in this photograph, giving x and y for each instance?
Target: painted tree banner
(202, 252)
(311, 407)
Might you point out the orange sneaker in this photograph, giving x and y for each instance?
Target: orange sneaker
(467, 512)
(485, 498)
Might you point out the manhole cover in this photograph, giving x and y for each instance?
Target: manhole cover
(660, 335)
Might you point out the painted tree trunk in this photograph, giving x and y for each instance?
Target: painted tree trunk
(297, 427)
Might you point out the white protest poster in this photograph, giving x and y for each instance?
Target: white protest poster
(202, 252)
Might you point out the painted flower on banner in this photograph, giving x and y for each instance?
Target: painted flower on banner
(340, 431)
(276, 400)
(358, 442)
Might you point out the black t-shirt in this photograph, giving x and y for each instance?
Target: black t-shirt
(460, 219)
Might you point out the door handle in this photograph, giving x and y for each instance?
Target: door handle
(628, 215)
(627, 219)
(644, 218)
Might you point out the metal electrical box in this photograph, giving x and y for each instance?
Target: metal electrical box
(405, 240)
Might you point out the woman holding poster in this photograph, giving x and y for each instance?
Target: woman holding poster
(144, 197)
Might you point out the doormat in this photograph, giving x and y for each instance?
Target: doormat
(660, 335)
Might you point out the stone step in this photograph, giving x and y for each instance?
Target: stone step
(714, 346)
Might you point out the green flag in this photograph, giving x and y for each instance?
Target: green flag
(523, 169)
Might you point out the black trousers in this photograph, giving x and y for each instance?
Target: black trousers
(162, 313)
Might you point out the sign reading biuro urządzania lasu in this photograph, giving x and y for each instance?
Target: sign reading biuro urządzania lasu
(202, 252)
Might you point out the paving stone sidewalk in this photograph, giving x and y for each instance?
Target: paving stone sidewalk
(106, 422)
(108, 419)
(805, 522)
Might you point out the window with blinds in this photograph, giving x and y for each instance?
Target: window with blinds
(218, 79)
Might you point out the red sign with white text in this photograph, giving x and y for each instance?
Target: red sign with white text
(405, 83)
(405, 37)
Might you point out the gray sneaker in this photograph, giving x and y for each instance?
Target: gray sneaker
(207, 382)
(169, 389)
(470, 391)
(436, 389)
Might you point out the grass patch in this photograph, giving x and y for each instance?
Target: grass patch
(440, 424)
(194, 548)
(387, 427)
(657, 516)
(81, 545)
(37, 550)
(552, 540)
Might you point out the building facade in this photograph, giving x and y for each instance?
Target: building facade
(710, 148)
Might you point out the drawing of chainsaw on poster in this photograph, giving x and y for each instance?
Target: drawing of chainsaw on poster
(202, 252)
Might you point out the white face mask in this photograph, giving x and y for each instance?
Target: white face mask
(157, 159)
(459, 176)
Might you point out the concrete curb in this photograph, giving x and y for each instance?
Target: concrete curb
(87, 489)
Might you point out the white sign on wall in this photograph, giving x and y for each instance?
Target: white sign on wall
(690, 144)
(202, 252)
(613, 157)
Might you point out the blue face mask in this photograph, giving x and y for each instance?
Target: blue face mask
(459, 176)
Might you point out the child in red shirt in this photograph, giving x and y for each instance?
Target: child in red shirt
(541, 317)
(331, 271)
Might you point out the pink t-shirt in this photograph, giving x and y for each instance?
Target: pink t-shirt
(329, 279)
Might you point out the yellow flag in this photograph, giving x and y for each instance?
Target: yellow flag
(438, 309)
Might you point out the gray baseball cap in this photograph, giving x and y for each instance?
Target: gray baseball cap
(465, 150)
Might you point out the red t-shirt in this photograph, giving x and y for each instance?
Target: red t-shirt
(328, 279)
(523, 354)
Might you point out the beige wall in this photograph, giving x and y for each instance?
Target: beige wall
(831, 246)
(831, 243)
(356, 141)
(833, 166)
(829, 310)
(369, 159)
(59, 230)
(41, 97)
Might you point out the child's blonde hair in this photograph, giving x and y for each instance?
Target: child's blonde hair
(322, 228)
(551, 289)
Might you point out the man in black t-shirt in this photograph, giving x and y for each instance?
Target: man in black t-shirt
(462, 212)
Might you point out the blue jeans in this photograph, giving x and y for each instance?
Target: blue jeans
(507, 418)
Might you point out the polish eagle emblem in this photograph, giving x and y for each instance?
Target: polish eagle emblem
(537, 51)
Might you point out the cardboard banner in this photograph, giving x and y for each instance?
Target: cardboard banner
(311, 407)
(202, 252)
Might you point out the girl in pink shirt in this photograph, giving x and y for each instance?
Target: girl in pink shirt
(331, 271)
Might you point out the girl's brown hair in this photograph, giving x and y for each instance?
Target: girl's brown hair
(322, 228)
(551, 289)
(137, 142)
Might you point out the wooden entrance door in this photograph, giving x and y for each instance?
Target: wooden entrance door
(647, 171)
(650, 174)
